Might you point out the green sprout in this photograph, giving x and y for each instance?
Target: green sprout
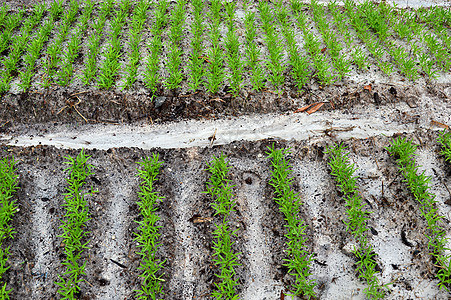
(147, 234)
(196, 70)
(175, 51)
(253, 52)
(139, 18)
(343, 171)
(275, 63)
(94, 42)
(215, 72)
(74, 224)
(298, 258)
(111, 65)
(220, 190)
(8, 187)
(418, 183)
(152, 73)
(52, 58)
(445, 140)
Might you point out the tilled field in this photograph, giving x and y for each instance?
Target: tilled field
(362, 86)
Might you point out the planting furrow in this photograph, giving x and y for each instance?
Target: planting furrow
(343, 171)
(298, 61)
(74, 225)
(250, 197)
(17, 47)
(215, 73)
(148, 231)
(225, 258)
(445, 140)
(55, 48)
(8, 187)
(195, 63)
(313, 46)
(139, 17)
(298, 259)
(66, 67)
(175, 51)
(90, 70)
(275, 64)
(152, 75)
(110, 66)
(35, 46)
(438, 242)
(253, 53)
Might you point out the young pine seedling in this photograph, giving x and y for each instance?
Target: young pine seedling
(343, 171)
(8, 187)
(220, 190)
(253, 52)
(147, 234)
(196, 70)
(298, 259)
(418, 183)
(445, 141)
(74, 225)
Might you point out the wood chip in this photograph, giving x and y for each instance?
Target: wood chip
(368, 88)
(303, 108)
(439, 124)
(315, 108)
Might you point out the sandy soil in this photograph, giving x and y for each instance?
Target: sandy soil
(39, 128)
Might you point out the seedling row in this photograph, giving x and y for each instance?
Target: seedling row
(75, 237)
(194, 46)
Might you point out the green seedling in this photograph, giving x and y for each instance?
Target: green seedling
(215, 73)
(52, 58)
(94, 42)
(253, 52)
(298, 259)
(220, 190)
(232, 46)
(111, 65)
(175, 51)
(343, 171)
(152, 74)
(74, 225)
(74, 45)
(275, 63)
(418, 183)
(139, 18)
(195, 64)
(147, 234)
(445, 140)
(18, 45)
(8, 187)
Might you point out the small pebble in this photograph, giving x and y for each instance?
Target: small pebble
(113, 237)
(259, 155)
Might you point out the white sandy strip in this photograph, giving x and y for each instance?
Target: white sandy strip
(186, 134)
